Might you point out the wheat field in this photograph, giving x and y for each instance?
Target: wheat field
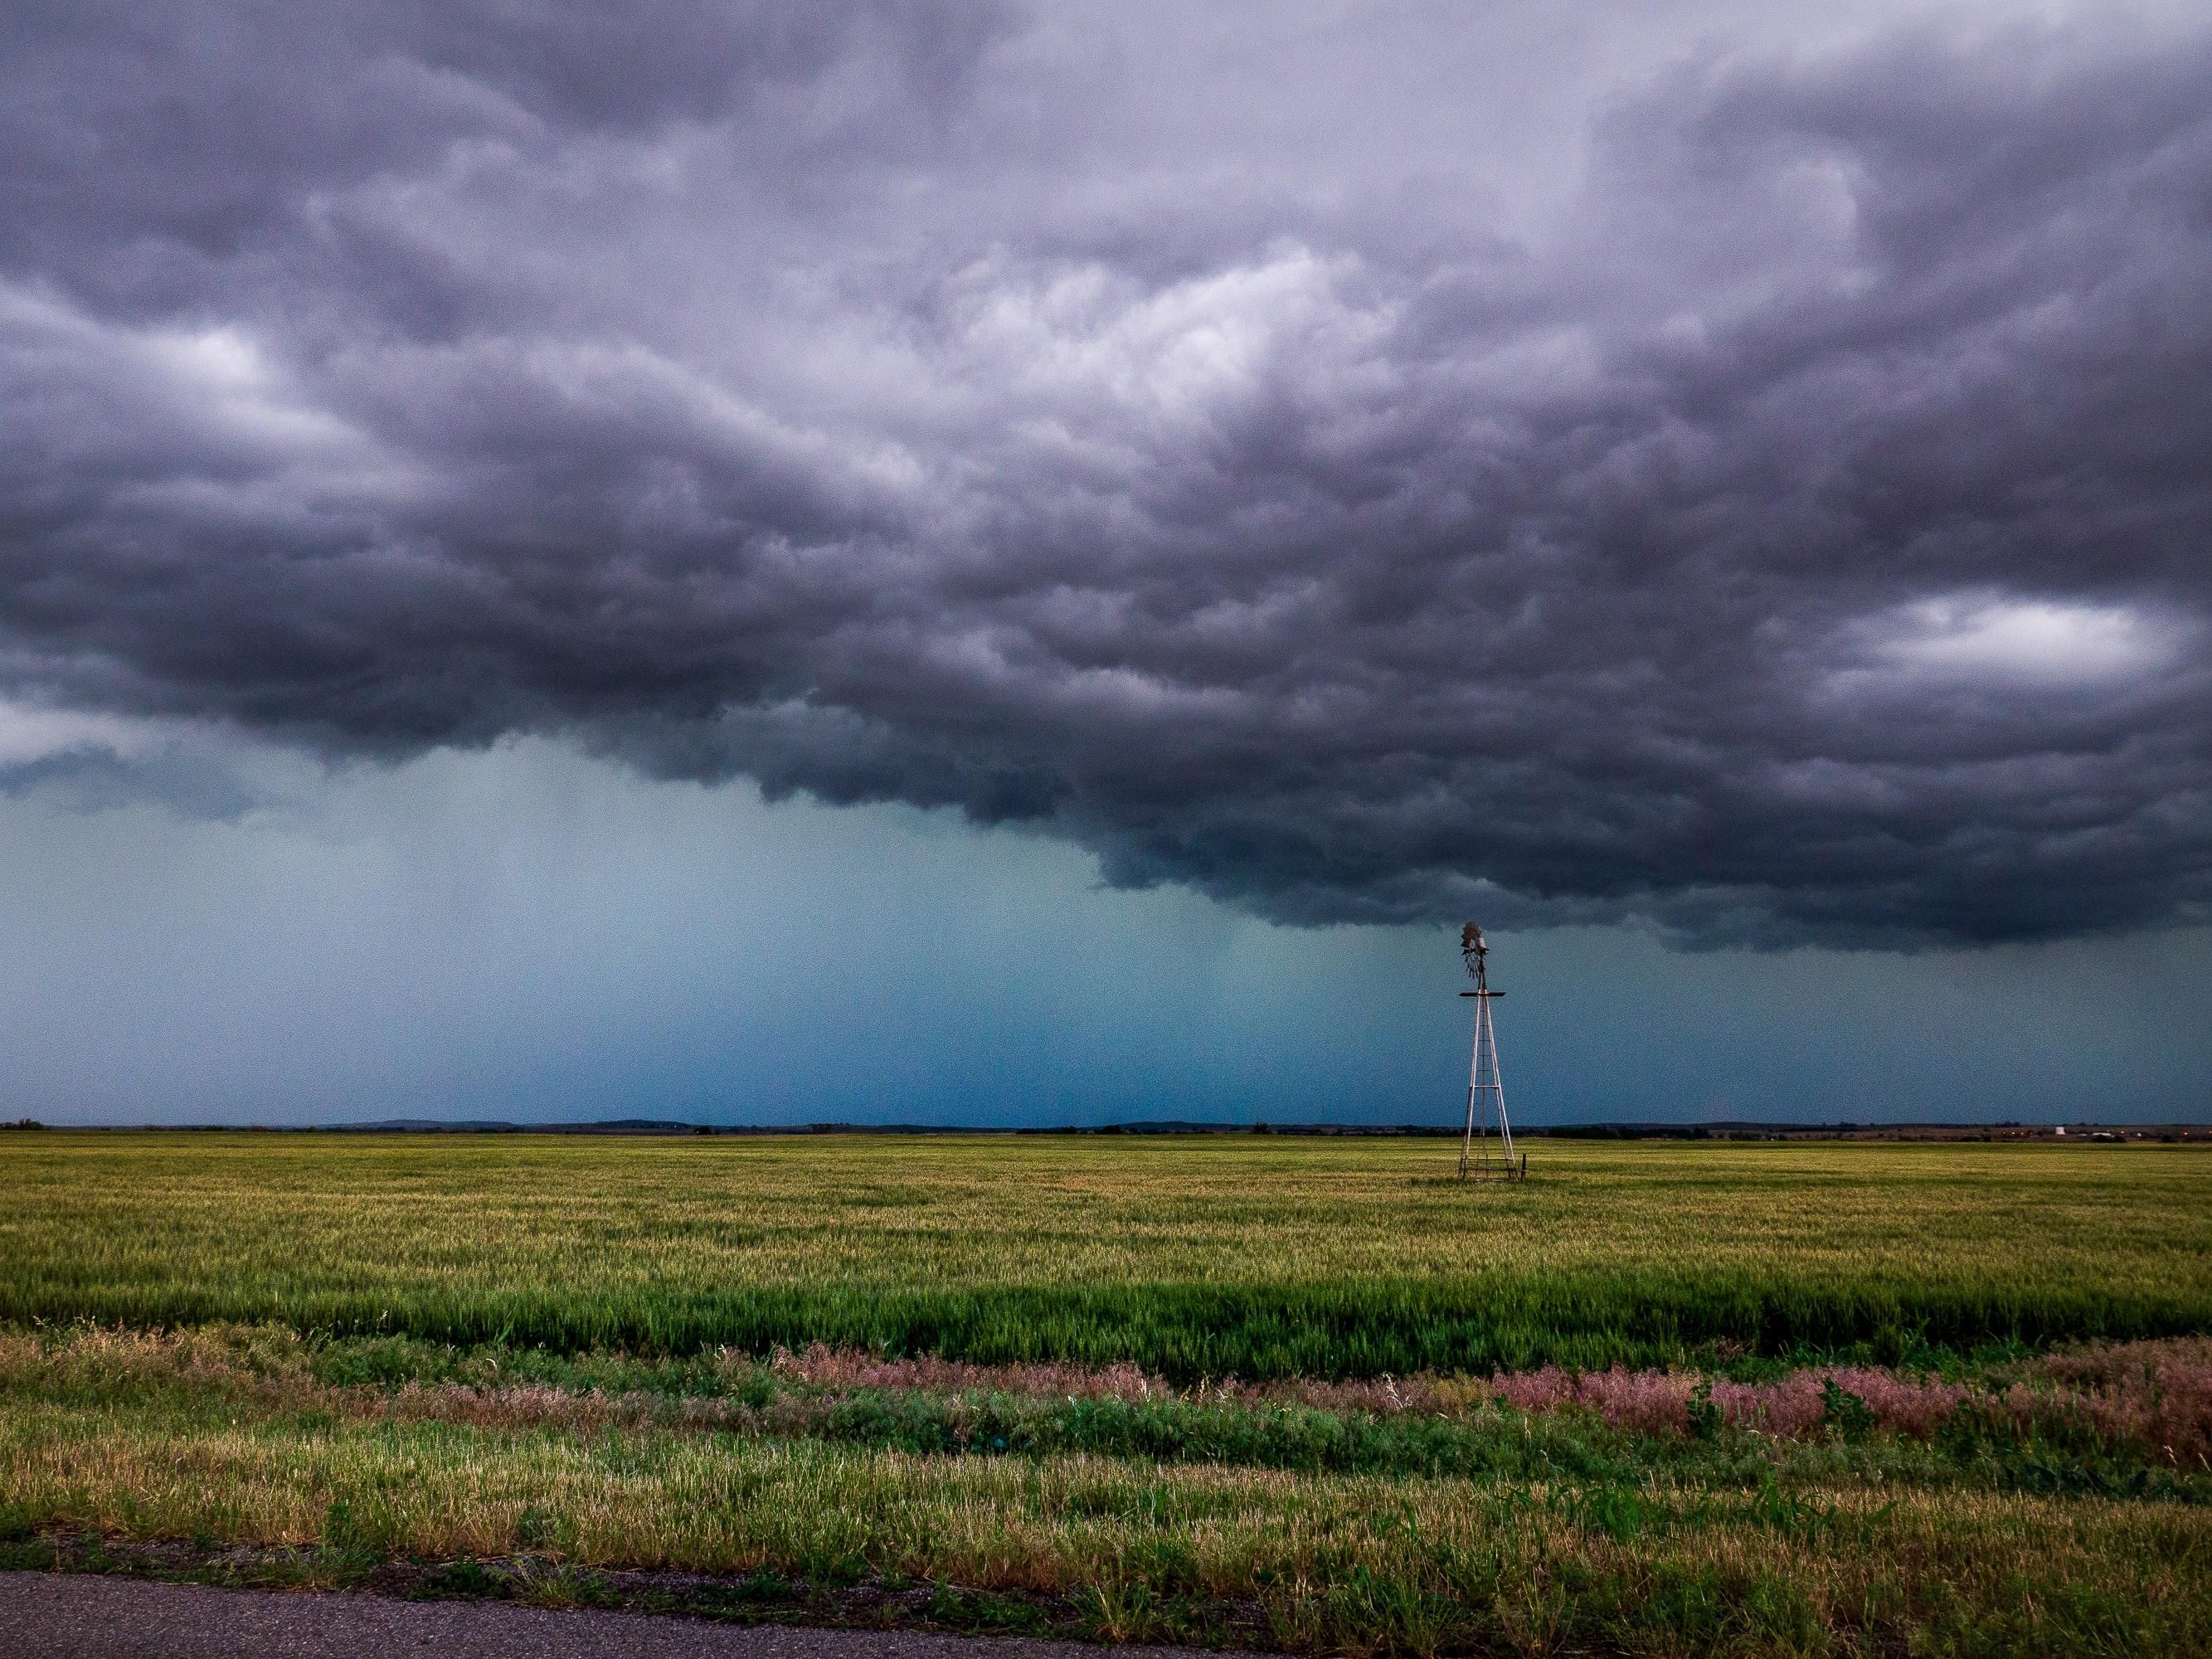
(1193, 1256)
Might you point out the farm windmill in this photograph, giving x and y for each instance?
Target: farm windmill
(1486, 1088)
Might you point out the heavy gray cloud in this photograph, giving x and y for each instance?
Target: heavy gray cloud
(1400, 463)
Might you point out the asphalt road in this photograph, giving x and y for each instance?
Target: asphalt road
(85, 1616)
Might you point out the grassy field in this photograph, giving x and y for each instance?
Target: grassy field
(1818, 1399)
(1251, 1255)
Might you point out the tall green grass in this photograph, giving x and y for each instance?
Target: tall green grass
(1248, 1256)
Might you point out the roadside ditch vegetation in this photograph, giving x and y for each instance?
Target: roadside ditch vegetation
(2059, 1503)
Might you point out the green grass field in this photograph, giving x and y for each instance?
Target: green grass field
(1195, 1256)
(1864, 1399)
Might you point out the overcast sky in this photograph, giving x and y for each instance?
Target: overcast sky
(992, 563)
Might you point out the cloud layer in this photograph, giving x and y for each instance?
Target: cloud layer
(1368, 471)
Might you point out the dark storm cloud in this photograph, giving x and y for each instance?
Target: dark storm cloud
(1773, 501)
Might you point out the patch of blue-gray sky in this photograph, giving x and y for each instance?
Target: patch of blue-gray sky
(532, 935)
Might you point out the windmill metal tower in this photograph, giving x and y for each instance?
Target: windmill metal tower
(1486, 1088)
